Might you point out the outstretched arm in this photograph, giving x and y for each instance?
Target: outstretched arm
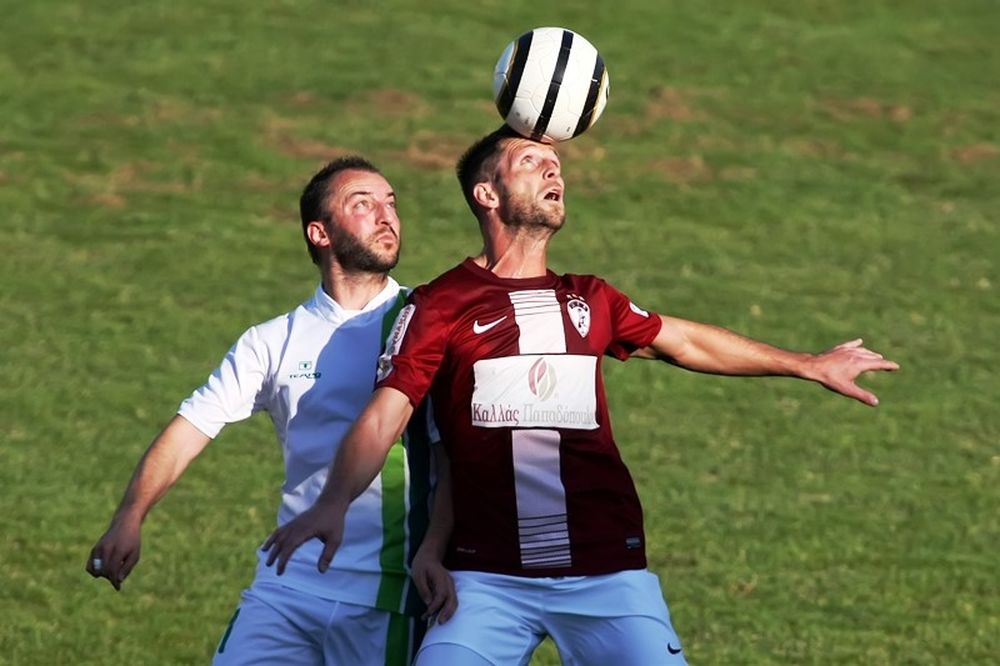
(358, 461)
(712, 349)
(117, 551)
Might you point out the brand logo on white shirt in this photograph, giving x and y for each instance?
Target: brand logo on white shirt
(522, 391)
(542, 379)
(478, 328)
(306, 370)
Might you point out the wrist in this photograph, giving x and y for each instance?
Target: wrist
(332, 502)
(428, 552)
(128, 516)
(434, 545)
(806, 367)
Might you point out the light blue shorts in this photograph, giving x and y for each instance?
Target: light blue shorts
(281, 625)
(618, 619)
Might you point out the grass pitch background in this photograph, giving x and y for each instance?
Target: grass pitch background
(801, 172)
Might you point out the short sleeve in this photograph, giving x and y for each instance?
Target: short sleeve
(234, 391)
(631, 327)
(415, 349)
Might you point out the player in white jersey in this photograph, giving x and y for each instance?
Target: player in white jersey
(312, 370)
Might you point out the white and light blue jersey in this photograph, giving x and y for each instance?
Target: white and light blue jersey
(313, 370)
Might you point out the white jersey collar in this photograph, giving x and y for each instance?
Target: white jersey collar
(323, 304)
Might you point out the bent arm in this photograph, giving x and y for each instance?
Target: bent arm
(358, 461)
(117, 551)
(442, 517)
(433, 581)
(364, 448)
(165, 460)
(712, 349)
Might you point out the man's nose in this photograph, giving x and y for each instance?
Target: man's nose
(386, 213)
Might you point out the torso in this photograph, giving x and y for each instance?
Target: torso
(539, 486)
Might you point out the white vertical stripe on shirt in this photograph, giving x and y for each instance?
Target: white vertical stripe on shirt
(543, 531)
(537, 314)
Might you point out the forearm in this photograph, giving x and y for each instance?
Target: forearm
(442, 517)
(165, 460)
(712, 349)
(434, 583)
(363, 450)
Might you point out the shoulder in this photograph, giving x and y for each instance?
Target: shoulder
(585, 283)
(595, 289)
(276, 326)
(275, 332)
(447, 285)
(254, 349)
(439, 303)
(583, 278)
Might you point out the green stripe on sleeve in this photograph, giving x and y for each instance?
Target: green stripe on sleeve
(392, 557)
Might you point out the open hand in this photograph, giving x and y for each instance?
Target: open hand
(838, 368)
(320, 522)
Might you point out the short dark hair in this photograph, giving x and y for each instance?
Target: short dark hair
(313, 202)
(479, 162)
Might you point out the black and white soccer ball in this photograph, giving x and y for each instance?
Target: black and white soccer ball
(550, 84)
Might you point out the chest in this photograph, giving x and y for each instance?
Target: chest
(504, 323)
(329, 368)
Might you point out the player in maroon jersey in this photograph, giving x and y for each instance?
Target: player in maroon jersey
(546, 535)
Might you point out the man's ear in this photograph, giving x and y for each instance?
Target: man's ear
(486, 195)
(316, 233)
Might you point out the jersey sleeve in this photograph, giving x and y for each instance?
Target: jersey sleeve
(415, 349)
(631, 327)
(234, 391)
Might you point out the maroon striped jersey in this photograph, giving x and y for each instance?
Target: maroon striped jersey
(513, 367)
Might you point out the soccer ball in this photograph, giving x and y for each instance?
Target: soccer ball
(550, 84)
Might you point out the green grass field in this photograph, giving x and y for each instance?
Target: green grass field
(803, 172)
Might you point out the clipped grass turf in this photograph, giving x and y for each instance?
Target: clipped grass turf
(801, 172)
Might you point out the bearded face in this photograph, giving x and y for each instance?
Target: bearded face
(366, 255)
(518, 210)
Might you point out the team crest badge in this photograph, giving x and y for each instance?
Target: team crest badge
(579, 314)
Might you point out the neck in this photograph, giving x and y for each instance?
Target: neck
(352, 290)
(514, 252)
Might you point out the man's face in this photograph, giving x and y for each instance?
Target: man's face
(364, 227)
(529, 180)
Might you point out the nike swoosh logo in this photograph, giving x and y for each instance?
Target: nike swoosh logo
(672, 650)
(477, 328)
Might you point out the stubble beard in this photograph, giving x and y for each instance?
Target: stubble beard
(530, 215)
(355, 255)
